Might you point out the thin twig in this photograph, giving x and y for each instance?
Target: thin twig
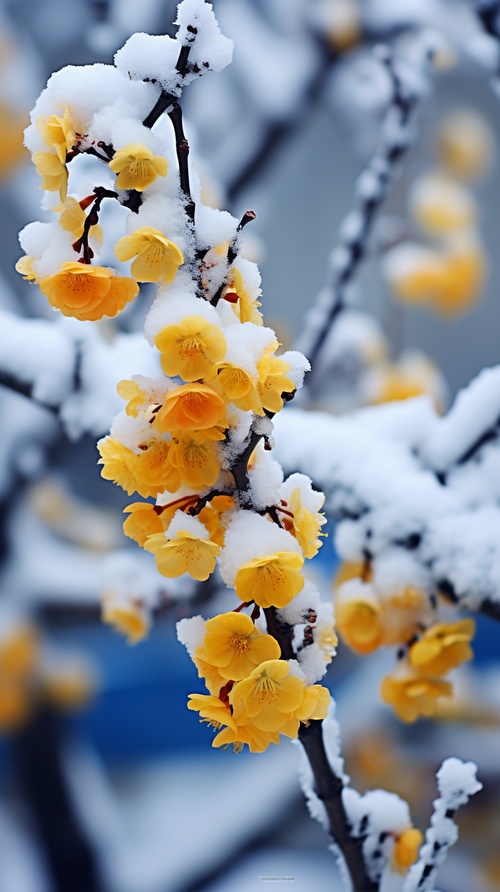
(354, 240)
(232, 253)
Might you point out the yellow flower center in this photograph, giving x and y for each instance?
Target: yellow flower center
(190, 347)
(153, 253)
(139, 168)
(240, 643)
(271, 575)
(266, 689)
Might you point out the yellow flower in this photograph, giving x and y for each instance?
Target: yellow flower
(238, 387)
(441, 205)
(25, 266)
(359, 623)
(238, 735)
(304, 525)
(190, 348)
(465, 143)
(416, 274)
(270, 581)
(210, 517)
(135, 396)
(53, 171)
(184, 554)
(406, 849)
(245, 307)
(72, 219)
(143, 520)
(464, 273)
(315, 704)
(412, 695)
(448, 280)
(19, 652)
(272, 381)
(403, 611)
(352, 570)
(157, 258)
(192, 407)
(268, 702)
(212, 710)
(87, 292)
(395, 385)
(147, 473)
(443, 647)
(235, 646)
(58, 132)
(195, 460)
(126, 617)
(137, 167)
(327, 641)
(271, 699)
(214, 681)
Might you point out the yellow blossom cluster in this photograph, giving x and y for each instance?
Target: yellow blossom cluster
(78, 287)
(184, 424)
(446, 275)
(368, 619)
(174, 443)
(254, 696)
(192, 443)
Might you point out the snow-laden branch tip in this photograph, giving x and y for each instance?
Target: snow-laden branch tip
(457, 782)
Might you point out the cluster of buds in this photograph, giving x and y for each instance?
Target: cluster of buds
(370, 616)
(445, 271)
(197, 437)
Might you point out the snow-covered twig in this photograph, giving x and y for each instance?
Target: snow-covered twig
(371, 191)
(457, 782)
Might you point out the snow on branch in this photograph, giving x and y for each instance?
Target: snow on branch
(70, 368)
(457, 782)
(416, 495)
(408, 83)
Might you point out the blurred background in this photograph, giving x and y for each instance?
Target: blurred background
(107, 782)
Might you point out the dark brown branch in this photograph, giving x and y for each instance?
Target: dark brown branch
(165, 99)
(92, 219)
(328, 788)
(38, 756)
(240, 468)
(163, 102)
(487, 607)
(282, 632)
(382, 165)
(486, 437)
(24, 388)
(182, 148)
(194, 510)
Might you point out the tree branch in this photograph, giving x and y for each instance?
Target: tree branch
(352, 250)
(328, 789)
(328, 786)
(182, 148)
